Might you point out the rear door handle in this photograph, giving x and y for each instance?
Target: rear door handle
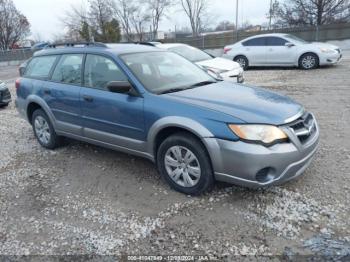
(88, 98)
(47, 91)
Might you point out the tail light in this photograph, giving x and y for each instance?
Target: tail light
(18, 82)
(226, 50)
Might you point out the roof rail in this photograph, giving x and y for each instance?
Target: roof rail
(77, 44)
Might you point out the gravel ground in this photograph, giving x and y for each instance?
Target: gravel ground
(86, 200)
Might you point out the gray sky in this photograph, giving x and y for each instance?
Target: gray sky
(44, 15)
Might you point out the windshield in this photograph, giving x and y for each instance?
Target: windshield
(191, 53)
(162, 72)
(296, 39)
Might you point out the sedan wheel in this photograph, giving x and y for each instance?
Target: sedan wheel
(242, 61)
(308, 61)
(182, 166)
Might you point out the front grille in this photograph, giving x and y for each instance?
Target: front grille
(304, 127)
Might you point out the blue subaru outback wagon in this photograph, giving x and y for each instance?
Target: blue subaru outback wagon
(158, 105)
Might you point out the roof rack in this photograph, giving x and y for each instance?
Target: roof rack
(77, 44)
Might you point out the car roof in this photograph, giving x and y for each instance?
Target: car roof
(264, 35)
(167, 46)
(117, 49)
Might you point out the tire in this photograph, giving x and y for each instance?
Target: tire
(243, 61)
(199, 170)
(44, 131)
(308, 61)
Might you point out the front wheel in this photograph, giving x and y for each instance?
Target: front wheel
(308, 61)
(184, 163)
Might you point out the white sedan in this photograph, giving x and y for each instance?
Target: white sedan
(226, 69)
(282, 50)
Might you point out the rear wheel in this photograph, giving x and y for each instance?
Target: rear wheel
(44, 131)
(242, 61)
(308, 61)
(184, 163)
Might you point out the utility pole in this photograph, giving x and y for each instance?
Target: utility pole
(236, 20)
(270, 15)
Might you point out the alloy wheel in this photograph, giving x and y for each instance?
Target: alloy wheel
(308, 62)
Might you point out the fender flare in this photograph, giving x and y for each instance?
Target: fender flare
(178, 122)
(41, 102)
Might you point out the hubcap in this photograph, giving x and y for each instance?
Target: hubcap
(42, 129)
(182, 166)
(309, 61)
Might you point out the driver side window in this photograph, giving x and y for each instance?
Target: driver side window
(100, 70)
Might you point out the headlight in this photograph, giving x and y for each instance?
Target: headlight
(259, 133)
(326, 50)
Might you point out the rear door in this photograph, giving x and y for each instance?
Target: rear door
(255, 50)
(62, 93)
(278, 53)
(113, 118)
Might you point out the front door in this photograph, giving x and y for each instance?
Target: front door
(278, 53)
(108, 117)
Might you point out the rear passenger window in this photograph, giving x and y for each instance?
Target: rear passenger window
(275, 41)
(99, 71)
(260, 41)
(40, 67)
(68, 70)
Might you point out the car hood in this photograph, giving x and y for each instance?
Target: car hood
(250, 104)
(220, 63)
(324, 45)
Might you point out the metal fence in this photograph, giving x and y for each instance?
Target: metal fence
(310, 33)
(15, 55)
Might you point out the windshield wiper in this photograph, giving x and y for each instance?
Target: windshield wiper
(203, 83)
(171, 90)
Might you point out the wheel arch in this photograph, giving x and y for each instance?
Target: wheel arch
(34, 103)
(167, 126)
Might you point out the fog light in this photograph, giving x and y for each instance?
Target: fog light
(264, 175)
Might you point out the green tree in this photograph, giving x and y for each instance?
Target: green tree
(84, 32)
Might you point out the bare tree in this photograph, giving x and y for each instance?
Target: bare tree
(139, 20)
(14, 26)
(74, 20)
(97, 21)
(313, 12)
(195, 11)
(125, 10)
(157, 10)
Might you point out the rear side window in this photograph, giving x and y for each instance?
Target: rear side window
(260, 41)
(40, 67)
(275, 41)
(100, 70)
(68, 69)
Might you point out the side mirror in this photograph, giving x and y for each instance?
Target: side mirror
(122, 87)
(289, 44)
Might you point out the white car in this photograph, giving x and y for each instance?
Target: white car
(282, 50)
(227, 70)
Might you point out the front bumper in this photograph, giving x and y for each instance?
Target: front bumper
(330, 58)
(236, 76)
(254, 165)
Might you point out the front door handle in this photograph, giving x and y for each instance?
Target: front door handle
(88, 98)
